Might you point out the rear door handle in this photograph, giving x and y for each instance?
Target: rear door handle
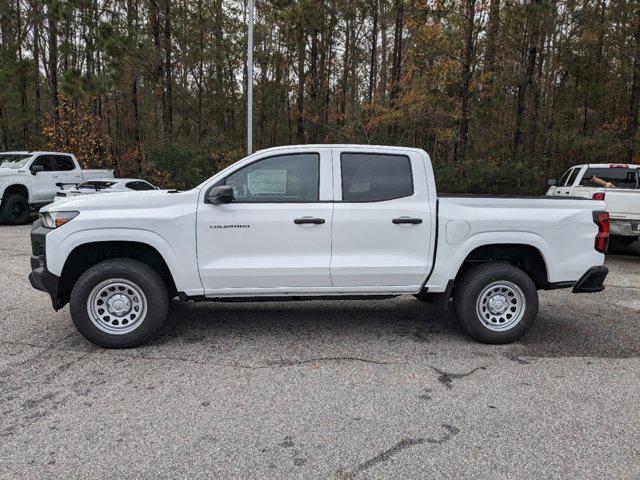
(413, 221)
(316, 221)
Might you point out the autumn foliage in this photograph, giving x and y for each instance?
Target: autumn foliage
(80, 133)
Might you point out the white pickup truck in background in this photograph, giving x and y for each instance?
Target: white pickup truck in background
(28, 180)
(314, 221)
(617, 184)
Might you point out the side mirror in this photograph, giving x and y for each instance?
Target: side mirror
(220, 195)
(552, 182)
(36, 168)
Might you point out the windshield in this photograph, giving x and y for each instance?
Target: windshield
(14, 160)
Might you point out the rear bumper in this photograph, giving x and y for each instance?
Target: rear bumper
(625, 228)
(41, 278)
(592, 281)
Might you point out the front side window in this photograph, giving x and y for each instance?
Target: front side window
(283, 178)
(564, 178)
(45, 162)
(616, 177)
(572, 177)
(369, 177)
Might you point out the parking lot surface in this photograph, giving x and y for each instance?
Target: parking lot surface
(335, 389)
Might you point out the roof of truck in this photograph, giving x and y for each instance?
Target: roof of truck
(607, 165)
(342, 146)
(35, 152)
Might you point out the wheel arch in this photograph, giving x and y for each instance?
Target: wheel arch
(527, 257)
(86, 255)
(16, 188)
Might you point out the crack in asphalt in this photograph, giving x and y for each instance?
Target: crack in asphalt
(446, 378)
(403, 444)
(267, 365)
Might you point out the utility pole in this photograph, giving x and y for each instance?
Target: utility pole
(250, 81)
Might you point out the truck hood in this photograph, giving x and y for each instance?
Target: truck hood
(118, 201)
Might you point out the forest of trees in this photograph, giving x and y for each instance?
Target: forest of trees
(501, 93)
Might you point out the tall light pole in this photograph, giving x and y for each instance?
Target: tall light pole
(250, 81)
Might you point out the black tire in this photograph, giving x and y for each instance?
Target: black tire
(619, 240)
(469, 309)
(142, 276)
(14, 209)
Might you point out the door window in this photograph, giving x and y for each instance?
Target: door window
(62, 163)
(283, 178)
(45, 162)
(139, 185)
(572, 177)
(564, 178)
(368, 177)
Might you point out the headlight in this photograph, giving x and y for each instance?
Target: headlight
(57, 219)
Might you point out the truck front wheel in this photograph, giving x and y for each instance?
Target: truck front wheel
(496, 303)
(119, 303)
(14, 209)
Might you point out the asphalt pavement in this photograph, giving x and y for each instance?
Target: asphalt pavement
(322, 389)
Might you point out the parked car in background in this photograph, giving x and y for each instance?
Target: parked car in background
(28, 181)
(312, 222)
(617, 184)
(92, 187)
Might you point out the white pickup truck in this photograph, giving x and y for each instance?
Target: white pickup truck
(29, 180)
(617, 184)
(314, 221)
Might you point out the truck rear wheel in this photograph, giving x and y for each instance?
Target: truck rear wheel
(14, 209)
(119, 303)
(496, 303)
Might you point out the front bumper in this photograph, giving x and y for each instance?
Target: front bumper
(592, 281)
(41, 278)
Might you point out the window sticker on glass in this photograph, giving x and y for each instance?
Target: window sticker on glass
(267, 182)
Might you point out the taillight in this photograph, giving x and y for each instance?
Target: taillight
(602, 239)
(598, 196)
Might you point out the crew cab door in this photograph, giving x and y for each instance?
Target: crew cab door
(66, 170)
(57, 168)
(276, 233)
(43, 182)
(382, 219)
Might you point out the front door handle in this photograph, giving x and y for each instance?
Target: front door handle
(316, 221)
(413, 221)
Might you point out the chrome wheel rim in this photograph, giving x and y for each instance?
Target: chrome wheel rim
(501, 305)
(117, 306)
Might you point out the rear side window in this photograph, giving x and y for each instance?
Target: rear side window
(619, 177)
(369, 177)
(62, 163)
(139, 186)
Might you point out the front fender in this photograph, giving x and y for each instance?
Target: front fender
(11, 182)
(183, 271)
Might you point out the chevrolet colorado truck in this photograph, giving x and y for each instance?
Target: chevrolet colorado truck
(29, 180)
(617, 184)
(302, 222)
